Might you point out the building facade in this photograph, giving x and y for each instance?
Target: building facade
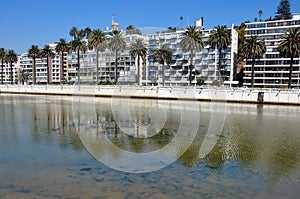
(25, 63)
(5, 72)
(272, 70)
(205, 63)
(127, 68)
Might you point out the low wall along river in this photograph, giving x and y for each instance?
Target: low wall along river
(236, 95)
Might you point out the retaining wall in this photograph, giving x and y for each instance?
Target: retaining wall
(237, 95)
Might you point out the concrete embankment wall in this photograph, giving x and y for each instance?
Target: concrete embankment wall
(237, 95)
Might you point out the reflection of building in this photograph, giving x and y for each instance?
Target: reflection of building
(272, 70)
(205, 62)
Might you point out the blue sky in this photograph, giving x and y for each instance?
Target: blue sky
(24, 23)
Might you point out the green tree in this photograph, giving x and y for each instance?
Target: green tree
(253, 49)
(138, 49)
(283, 10)
(62, 47)
(74, 32)
(117, 44)
(241, 30)
(11, 58)
(260, 13)
(132, 30)
(192, 41)
(34, 52)
(220, 38)
(48, 53)
(289, 46)
(2, 57)
(78, 44)
(97, 40)
(163, 55)
(22, 76)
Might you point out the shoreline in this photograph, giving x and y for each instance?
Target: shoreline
(213, 94)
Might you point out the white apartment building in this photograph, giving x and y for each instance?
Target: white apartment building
(6, 73)
(127, 68)
(272, 70)
(205, 63)
(25, 62)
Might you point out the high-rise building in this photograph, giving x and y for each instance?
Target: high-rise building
(272, 70)
(205, 63)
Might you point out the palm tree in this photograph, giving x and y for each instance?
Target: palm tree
(34, 52)
(78, 44)
(22, 76)
(11, 58)
(62, 47)
(221, 39)
(73, 32)
(48, 53)
(260, 12)
(2, 57)
(192, 41)
(163, 55)
(117, 43)
(289, 46)
(138, 49)
(97, 40)
(254, 48)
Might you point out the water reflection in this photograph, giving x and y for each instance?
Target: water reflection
(257, 140)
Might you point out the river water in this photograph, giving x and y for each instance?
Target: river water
(80, 147)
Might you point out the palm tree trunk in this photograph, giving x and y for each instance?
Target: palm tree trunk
(97, 66)
(116, 69)
(291, 72)
(33, 71)
(48, 71)
(190, 67)
(139, 71)
(252, 72)
(11, 73)
(62, 67)
(2, 62)
(220, 63)
(163, 73)
(78, 60)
